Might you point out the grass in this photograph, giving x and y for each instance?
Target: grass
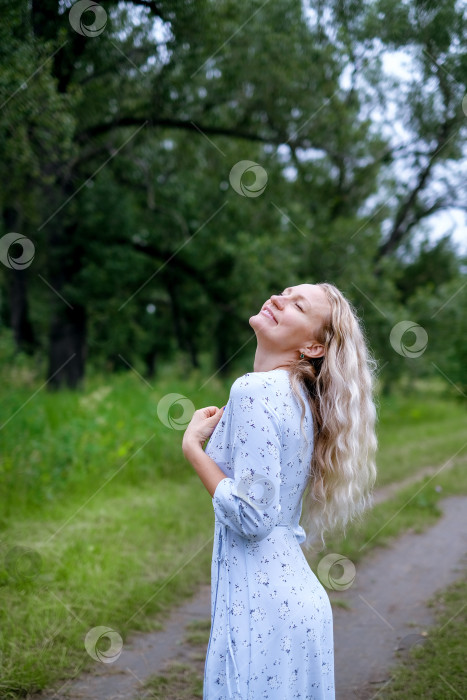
(178, 682)
(198, 632)
(413, 508)
(183, 681)
(417, 431)
(66, 443)
(124, 563)
(436, 670)
(103, 522)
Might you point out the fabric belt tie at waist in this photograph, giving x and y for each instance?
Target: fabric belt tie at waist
(230, 656)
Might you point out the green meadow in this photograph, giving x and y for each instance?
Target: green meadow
(104, 522)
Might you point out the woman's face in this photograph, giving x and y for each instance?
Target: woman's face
(291, 321)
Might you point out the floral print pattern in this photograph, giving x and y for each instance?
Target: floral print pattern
(271, 619)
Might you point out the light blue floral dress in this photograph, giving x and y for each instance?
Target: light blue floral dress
(271, 619)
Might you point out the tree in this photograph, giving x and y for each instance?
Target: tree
(130, 137)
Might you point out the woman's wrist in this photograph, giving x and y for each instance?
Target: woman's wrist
(191, 447)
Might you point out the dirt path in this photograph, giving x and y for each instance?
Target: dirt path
(386, 605)
(387, 600)
(142, 656)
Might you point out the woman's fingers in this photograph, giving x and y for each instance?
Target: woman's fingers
(202, 425)
(210, 411)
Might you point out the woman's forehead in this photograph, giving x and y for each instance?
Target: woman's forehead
(312, 292)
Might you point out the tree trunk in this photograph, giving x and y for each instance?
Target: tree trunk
(23, 331)
(150, 360)
(184, 336)
(193, 353)
(176, 315)
(67, 348)
(67, 335)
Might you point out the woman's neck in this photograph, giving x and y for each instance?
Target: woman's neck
(267, 361)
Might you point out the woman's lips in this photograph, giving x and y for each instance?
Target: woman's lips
(267, 312)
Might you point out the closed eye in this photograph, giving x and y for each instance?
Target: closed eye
(296, 303)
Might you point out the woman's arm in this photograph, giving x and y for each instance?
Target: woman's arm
(208, 471)
(249, 501)
(198, 431)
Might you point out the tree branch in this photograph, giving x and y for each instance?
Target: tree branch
(402, 223)
(182, 124)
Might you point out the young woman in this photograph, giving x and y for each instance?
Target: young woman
(303, 420)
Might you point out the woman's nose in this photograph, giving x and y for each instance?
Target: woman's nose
(277, 300)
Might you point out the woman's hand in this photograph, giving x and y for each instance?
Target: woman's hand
(201, 427)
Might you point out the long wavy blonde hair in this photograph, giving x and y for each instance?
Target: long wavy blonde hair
(340, 390)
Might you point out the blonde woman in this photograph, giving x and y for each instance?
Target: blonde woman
(295, 438)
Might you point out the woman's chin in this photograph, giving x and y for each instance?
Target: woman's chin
(255, 321)
(259, 323)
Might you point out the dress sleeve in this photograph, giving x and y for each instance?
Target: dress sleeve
(249, 503)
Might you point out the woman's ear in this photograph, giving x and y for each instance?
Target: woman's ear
(315, 350)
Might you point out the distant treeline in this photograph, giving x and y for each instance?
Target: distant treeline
(166, 166)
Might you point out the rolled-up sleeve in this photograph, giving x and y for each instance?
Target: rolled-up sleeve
(249, 503)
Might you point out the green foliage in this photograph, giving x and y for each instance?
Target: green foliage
(428, 267)
(116, 154)
(69, 440)
(436, 669)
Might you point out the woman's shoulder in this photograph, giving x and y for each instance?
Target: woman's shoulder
(261, 383)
